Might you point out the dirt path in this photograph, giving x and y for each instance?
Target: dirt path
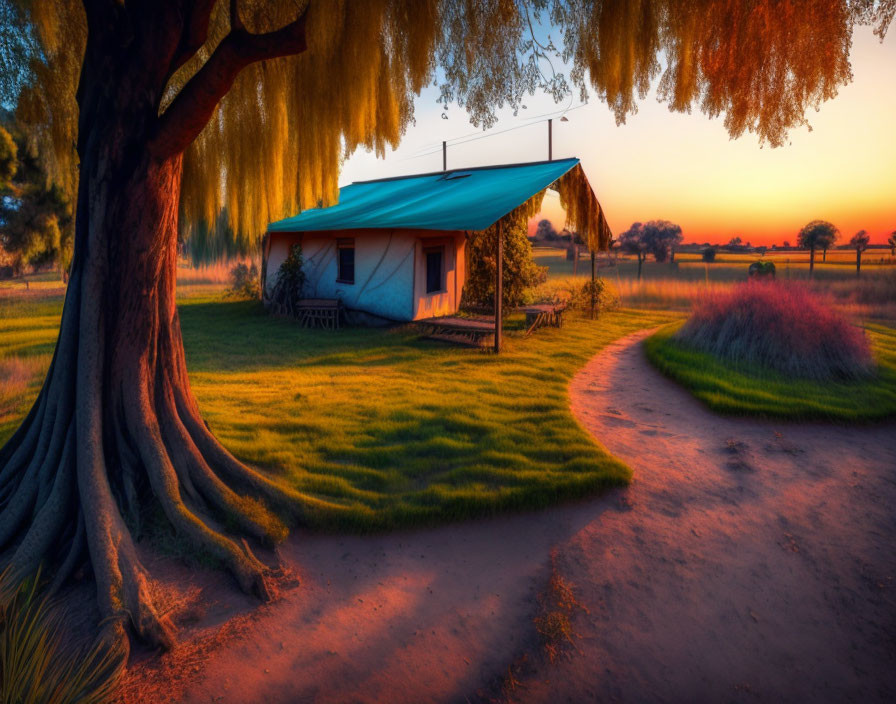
(756, 562)
(748, 561)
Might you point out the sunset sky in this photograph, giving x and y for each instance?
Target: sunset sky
(685, 168)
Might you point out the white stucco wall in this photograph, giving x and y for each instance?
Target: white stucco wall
(390, 270)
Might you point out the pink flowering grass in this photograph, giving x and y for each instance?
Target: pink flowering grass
(783, 327)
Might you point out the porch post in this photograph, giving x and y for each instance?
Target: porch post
(592, 283)
(499, 288)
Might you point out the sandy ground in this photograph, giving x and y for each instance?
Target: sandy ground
(748, 561)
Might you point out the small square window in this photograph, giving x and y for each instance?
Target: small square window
(435, 272)
(345, 261)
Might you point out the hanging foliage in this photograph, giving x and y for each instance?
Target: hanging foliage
(583, 212)
(275, 142)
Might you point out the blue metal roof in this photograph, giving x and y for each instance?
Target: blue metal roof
(464, 199)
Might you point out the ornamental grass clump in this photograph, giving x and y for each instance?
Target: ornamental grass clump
(785, 328)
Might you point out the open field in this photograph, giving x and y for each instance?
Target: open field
(387, 429)
(675, 285)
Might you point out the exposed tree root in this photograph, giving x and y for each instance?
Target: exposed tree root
(114, 430)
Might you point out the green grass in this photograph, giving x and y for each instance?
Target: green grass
(384, 428)
(752, 391)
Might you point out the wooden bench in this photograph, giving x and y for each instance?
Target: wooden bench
(543, 314)
(475, 332)
(319, 312)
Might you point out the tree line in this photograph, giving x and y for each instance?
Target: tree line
(659, 238)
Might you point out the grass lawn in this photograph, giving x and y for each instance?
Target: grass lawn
(753, 391)
(387, 429)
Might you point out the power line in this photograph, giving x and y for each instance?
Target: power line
(474, 136)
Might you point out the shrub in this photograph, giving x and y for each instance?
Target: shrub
(290, 282)
(575, 293)
(785, 328)
(244, 281)
(520, 270)
(590, 291)
(762, 269)
(708, 254)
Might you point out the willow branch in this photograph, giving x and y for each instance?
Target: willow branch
(195, 32)
(192, 108)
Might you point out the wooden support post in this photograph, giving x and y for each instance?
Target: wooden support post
(592, 283)
(499, 284)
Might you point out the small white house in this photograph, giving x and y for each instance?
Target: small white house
(396, 247)
(398, 273)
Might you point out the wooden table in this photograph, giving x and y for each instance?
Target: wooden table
(543, 314)
(319, 312)
(466, 331)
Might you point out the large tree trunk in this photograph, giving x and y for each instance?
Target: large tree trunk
(116, 426)
(116, 431)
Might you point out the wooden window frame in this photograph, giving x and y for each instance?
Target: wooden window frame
(443, 275)
(345, 243)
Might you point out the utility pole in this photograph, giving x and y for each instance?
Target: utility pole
(444, 156)
(499, 288)
(550, 139)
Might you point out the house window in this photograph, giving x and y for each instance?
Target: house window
(435, 271)
(345, 261)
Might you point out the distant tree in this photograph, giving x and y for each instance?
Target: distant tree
(36, 225)
(657, 237)
(786, 244)
(545, 230)
(708, 254)
(891, 240)
(735, 242)
(663, 236)
(633, 241)
(860, 242)
(818, 234)
(520, 270)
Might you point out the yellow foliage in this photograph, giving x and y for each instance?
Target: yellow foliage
(276, 141)
(583, 212)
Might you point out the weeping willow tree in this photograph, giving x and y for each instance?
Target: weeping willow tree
(155, 112)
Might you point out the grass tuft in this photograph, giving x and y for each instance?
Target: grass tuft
(36, 666)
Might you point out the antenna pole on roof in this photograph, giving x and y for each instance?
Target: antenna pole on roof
(444, 156)
(550, 140)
